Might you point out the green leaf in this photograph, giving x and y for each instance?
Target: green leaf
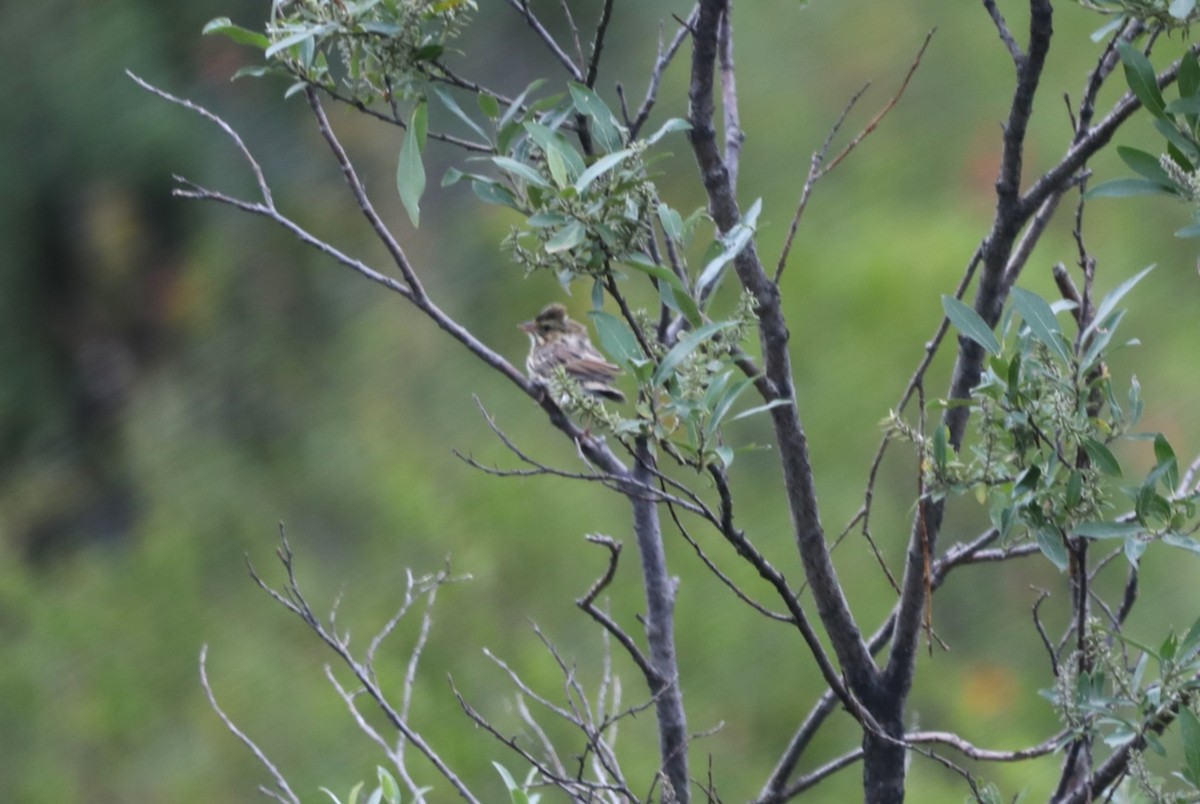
(1190, 105)
(721, 409)
(1100, 339)
(556, 148)
(566, 238)
(970, 324)
(1051, 544)
(1109, 302)
(940, 452)
(672, 222)
(410, 173)
(1179, 540)
(686, 345)
(774, 403)
(1181, 10)
(617, 339)
(674, 124)
(1139, 73)
(1126, 188)
(260, 70)
(494, 193)
(520, 170)
(1182, 149)
(1042, 323)
(1189, 727)
(306, 34)
(1189, 75)
(725, 454)
(1145, 165)
(679, 298)
(1104, 460)
(236, 33)
(331, 794)
(1134, 548)
(448, 101)
(1189, 231)
(488, 105)
(511, 112)
(605, 128)
(515, 793)
(1165, 456)
(1108, 529)
(599, 168)
(733, 243)
(391, 790)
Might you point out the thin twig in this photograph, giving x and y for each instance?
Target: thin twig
(593, 68)
(280, 782)
(547, 38)
(887, 107)
(660, 66)
(1006, 36)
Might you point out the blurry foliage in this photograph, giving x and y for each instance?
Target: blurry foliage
(176, 380)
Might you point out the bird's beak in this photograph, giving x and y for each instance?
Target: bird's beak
(527, 326)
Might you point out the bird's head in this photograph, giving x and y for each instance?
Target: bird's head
(550, 324)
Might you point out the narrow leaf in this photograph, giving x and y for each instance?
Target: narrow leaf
(448, 101)
(1145, 165)
(774, 403)
(236, 33)
(687, 344)
(617, 339)
(672, 222)
(599, 168)
(410, 173)
(1180, 10)
(1052, 547)
(1109, 302)
(1139, 73)
(521, 170)
(1179, 540)
(674, 124)
(1165, 456)
(493, 193)
(680, 299)
(970, 324)
(1042, 323)
(1101, 456)
(1126, 188)
(566, 238)
(295, 39)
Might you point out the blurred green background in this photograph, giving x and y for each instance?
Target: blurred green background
(176, 378)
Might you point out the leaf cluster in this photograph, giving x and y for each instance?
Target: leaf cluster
(1165, 14)
(1047, 416)
(1122, 699)
(582, 209)
(372, 49)
(1174, 173)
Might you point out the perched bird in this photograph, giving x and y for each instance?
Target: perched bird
(555, 340)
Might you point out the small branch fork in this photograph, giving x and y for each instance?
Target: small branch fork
(292, 598)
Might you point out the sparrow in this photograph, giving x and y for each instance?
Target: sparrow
(555, 340)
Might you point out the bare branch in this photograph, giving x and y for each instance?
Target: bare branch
(285, 793)
(986, 754)
(1006, 36)
(522, 6)
(597, 44)
(259, 178)
(656, 74)
(887, 107)
(734, 136)
(814, 175)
